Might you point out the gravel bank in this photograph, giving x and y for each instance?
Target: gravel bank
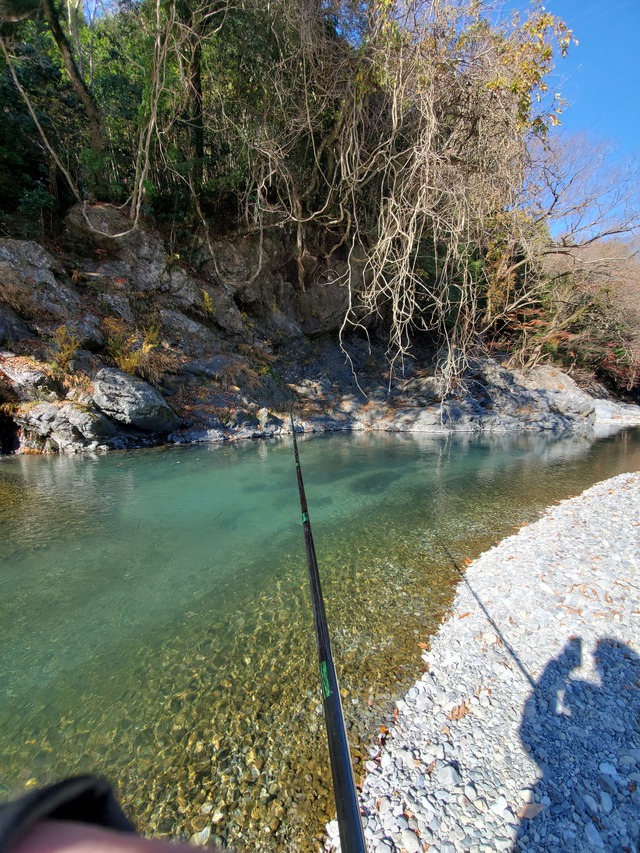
(524, 732)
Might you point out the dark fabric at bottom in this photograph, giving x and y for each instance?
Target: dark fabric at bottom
(85, 799)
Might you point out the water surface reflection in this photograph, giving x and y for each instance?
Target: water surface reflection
(155, 624)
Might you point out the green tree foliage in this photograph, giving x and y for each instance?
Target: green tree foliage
(407, 133)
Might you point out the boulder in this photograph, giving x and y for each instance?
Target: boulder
(543, 397)
(27, 381)
(132, 401)
(564, 396)
(613, 412)
(64, 428)
(124, 251)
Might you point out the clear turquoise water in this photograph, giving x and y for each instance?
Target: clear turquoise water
(154, 616)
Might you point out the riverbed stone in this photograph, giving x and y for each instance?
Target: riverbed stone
(410, 841)
(548, 742)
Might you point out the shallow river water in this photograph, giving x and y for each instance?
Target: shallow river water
(155, 624)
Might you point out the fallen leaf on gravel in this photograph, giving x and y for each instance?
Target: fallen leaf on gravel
(530, 811)
(463, 615)
(459, 711)
(431, 767)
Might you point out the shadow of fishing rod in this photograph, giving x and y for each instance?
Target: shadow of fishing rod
(487, 615)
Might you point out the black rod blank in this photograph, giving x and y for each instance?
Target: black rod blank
(344, 786)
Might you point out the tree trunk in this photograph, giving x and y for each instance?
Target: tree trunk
(79, 86)
(197, 123)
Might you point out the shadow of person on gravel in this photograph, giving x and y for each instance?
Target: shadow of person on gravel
(585, 738)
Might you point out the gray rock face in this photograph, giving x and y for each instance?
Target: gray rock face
(565, 397)
(67, 427)
(11, 326)
(138, 257)
(88, 332)
(136, 254)
(189, 295)
(193, 338)
(119, 305)
(323, 305)
(526, 396)
(614, 415)
(212, 367)
(266, 279)
(226, 313)
(241, 263)
(27, 381)
(29, 283)
(132, 401)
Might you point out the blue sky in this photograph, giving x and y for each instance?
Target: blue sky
(600, 77)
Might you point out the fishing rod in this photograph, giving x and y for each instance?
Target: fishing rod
(344, 786)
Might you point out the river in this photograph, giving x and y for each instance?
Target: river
(155, 624)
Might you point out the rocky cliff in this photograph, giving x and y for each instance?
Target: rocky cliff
(109, 340)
